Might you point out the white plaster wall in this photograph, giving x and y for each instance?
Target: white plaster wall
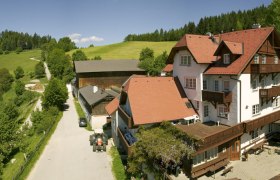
(193, 71)
(246, 138)
(250, 97)
(233, 116)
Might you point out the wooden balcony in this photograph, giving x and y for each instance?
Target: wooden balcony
(125, 117)
(262, 121)
(213, 165)
(221, 137)
(265, 68)
(123, 141)
(217, 97)
(268, 94)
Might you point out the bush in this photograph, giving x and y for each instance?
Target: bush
(97, 58)
(39, 70)
(19, 88)
(19, 73)
(11, 111)
(6, 52)
(1, 52)
(18, 50)
(6, 80)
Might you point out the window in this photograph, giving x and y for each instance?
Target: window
(263, 59)
(212, 153)
(254, 83)
(223, 111)
(276, 60)
(216, 85)
(206, 111)
(186, 60)
(224, 149)
(255, 109)
(263, 82)
(276, 81)
(226, 58)
(270, 128)
(205, 85)
(255, 134)
(226, 85)
(190, 83)
(256, 59)
(199, 159)
(196, 104)
(276, 102)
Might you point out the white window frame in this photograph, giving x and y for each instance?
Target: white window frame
(196, 104)
(216, 85)
(263, 59)
(255, 80)
(276, 60)
(226, 58)
(255, 134)
(211, 154)
(255, 109)
(276, 102)
(205, 110)
(256, 59)
(224, 87)
(263, 83)
(205, 84)
(199, 159)
(222, 111)
(185, 60)
(190, 83)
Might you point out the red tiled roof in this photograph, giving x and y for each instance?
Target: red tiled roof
(112, 106)
(155, 99)
(252, 40)
(168, 68)
(202, 48)
(235, 48)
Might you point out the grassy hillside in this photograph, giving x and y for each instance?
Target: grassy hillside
(12, 61)
(126, 50)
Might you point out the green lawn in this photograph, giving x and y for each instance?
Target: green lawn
(126, 50)
(12, 60)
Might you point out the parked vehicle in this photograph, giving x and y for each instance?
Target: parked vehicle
(83, 122)
(98, 140)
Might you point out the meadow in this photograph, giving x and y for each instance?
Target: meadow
(126, 50)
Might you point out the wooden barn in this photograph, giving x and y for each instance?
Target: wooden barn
(105, 73)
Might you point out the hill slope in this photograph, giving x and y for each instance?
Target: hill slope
(126, 50)
(12, 61)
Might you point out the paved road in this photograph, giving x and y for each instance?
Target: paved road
(68, 154)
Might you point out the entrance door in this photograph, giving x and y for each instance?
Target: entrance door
(235, 150)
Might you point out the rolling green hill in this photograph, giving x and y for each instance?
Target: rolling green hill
(126, 50)
(12, 61)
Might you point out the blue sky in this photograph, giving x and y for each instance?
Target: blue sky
(102, 22)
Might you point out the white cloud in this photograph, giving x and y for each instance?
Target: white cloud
(77, 38)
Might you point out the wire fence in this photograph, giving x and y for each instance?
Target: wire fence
(31, 154)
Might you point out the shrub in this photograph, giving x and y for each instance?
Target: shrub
(39, 70)
(97, 58)
(1, 52)
(19, 73)
(18, 50)
(19, 88)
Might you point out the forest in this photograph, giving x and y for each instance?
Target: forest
(215, 24)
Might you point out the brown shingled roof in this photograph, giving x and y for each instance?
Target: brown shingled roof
(155, 99)
(252, 40)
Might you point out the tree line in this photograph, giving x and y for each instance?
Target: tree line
(227, 22)
(11, 41)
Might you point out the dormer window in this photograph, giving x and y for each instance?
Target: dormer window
(226, 58)
(263, 59)
(186, 60)
(256, 59)
(276, 59)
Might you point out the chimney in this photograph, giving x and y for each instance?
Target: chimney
(256, 26)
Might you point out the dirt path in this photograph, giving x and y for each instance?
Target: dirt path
(48, 74)
(68, 154)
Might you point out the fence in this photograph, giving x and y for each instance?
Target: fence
(31, 155)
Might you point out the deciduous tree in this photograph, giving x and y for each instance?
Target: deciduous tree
(79, 55)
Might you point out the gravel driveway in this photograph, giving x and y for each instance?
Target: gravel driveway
(68, 154)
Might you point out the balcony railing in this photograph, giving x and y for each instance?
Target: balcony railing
(265, 68)
(274, 91)
(123, 141)
(262, 121)
(217, 97)
(125, 117)
(221, 137)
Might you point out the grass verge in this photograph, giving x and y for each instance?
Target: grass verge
(117, 165)
(37, 155)
(81, 113)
